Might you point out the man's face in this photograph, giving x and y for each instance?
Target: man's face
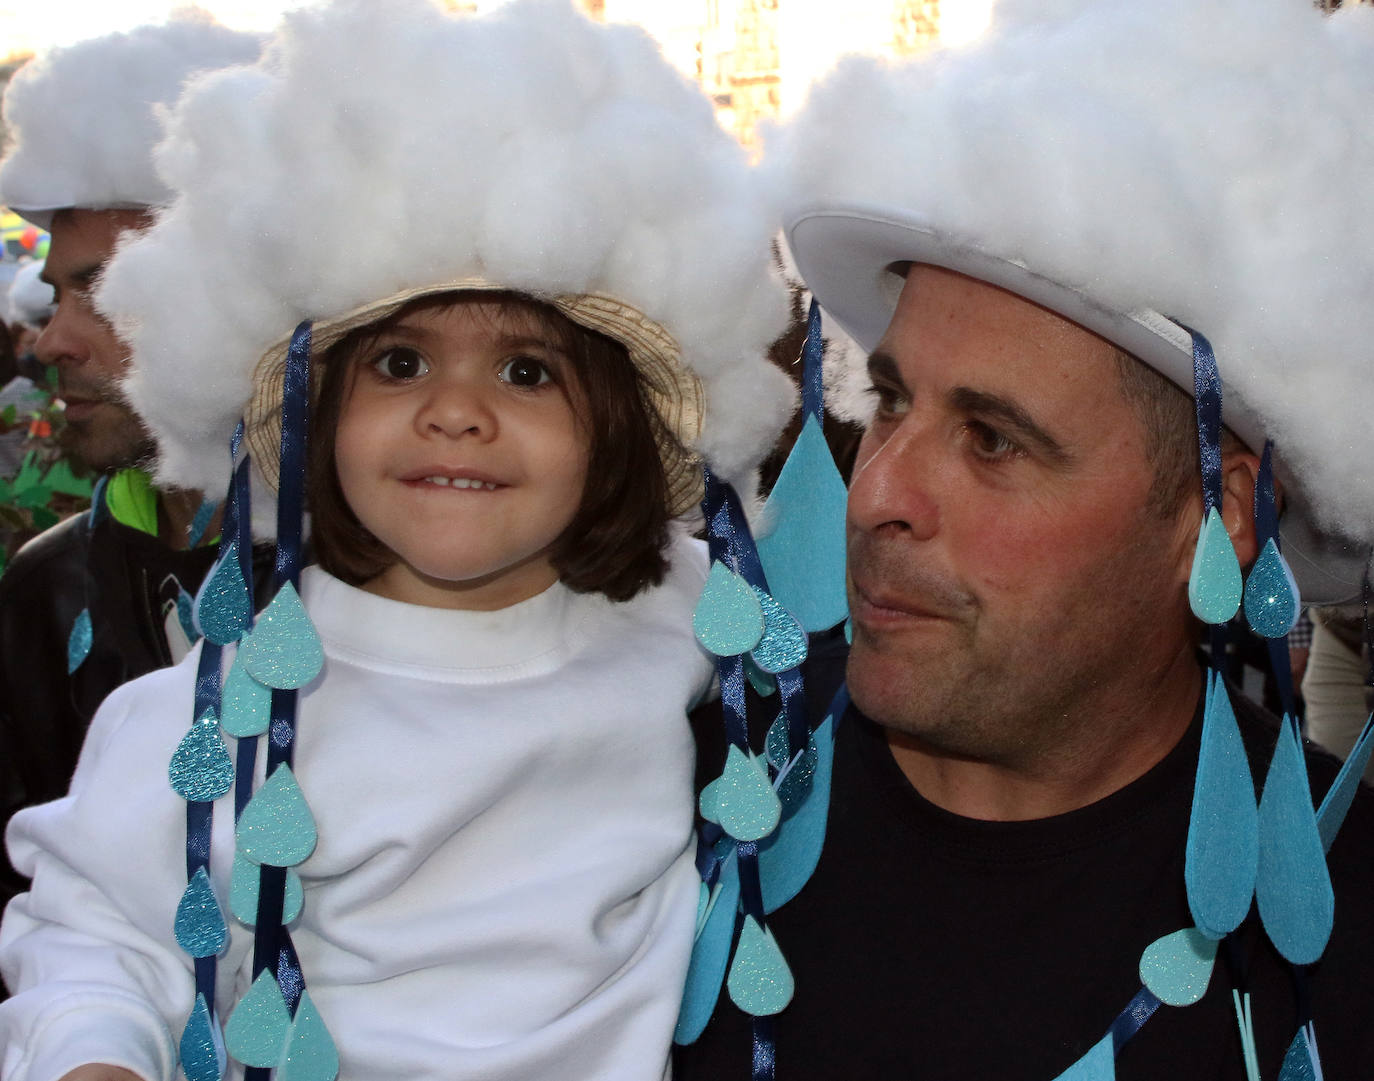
(1005, 574)
(101, 428)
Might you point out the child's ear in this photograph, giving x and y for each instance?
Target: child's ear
(1239, 468)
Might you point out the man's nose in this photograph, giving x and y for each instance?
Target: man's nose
(58, 342)
(895, 482)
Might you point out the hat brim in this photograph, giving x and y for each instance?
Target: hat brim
(850, 257)
(671, 390)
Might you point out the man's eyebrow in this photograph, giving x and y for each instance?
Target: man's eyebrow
(1011, 416)
(883, 366)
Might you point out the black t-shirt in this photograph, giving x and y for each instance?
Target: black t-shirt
(932, 946)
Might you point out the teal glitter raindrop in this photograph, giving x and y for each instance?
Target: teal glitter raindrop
(310, 1051)
(245, 704)
(776, 744)
(706, 802)
(746, 805)
(796, 780)
(276, 827)
(1222, 851)
(783, 645)
(244, 881)
(763, 684)
(79, 640)
(199, 925)
(728, 619)
(710, 954)
(201, 769)
(1271, 595)
(1297, 1062)
(1214, 587)
(186, 617)
(803, 555)
(788, 856)
(1099, 1064)
(223, 608)
(760, 983)
(284, 651)
(1292, 886)
(202, 1046)
(1178, 967)
(257, 1029)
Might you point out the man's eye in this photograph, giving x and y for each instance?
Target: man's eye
(525, 372)
(988, 442)
(400, 363)
(891, 401)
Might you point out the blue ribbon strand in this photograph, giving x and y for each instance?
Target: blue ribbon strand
(295, 422)
(813, 352)
(1207, 398)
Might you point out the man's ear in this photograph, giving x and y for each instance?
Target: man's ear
(1239, 468)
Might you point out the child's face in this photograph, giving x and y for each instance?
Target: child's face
(459, 446)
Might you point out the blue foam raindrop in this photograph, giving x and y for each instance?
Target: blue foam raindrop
(199, 925)
(710, 955)
(706, 801)
(283, 651)
(277, 828)
(728, 619)
(244, 882)
(1271, 595)
(1214, 587)
(783, 645)
(223, 607)
(257, 1029)
(310, 1051)
(1292, 886)
(788, 858)
(201, 769)
(1342, 791)
(245, 704)
(763, 684)
(747, 808)
(803, 555)
(202, 1045)
(79, 641)
(760, 983)
(1297, 1061)
(185, 616)
(1099, 1064)
(1223, 834)
(1178, 967)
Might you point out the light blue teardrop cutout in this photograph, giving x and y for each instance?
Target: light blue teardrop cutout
(1178, 967)
(201, 769)
(703, 906)
(1292, 887)
(1214, 587)
(201, 1045)
(283, 651)
(277, 828)
(256, 1032)
(185, 608)
(788, 858)
(763, 684)
(1297, 1061)
(710, 955)
(728, 619)
(1099, 1064)
(746, 805)
(79, 641)
(803, 554)
(223, 607)
(244, 881)
(310, 1051)
(199, 926)
(1271, 595)
(1223, 832)
(760, 983)
(245, 704)
(1342, 791)
(783, 645)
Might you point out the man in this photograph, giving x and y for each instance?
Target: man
(1007, 848)
(95, 600)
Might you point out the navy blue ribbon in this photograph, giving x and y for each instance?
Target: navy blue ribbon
(764, 1065)
(1207, 399)
(295, 423)
(813, 352)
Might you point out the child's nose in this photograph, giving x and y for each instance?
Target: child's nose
(456, 407)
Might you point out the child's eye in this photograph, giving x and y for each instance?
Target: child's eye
(400, 363)
(525, 372)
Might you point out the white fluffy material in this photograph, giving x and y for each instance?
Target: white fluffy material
(31, 299)
(1209, 159)
(382, 147)
(84, 119)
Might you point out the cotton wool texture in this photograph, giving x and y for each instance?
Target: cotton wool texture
(383, 147)
(1207, 159)
(83, 119)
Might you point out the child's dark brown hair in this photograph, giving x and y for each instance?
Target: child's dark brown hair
(616, 540)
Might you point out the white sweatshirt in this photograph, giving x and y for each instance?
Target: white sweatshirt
(503, 886)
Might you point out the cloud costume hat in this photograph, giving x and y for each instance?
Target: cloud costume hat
(84, 118)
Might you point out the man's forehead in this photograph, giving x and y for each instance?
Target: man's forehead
(83, 239)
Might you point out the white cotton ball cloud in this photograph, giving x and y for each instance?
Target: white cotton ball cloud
(378, 148)
(31, 300)
(1208, 159)
(84, 118)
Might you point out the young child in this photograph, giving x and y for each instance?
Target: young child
(536, 280)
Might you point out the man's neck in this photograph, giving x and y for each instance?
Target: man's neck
(1119, 738)
(176, 512)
